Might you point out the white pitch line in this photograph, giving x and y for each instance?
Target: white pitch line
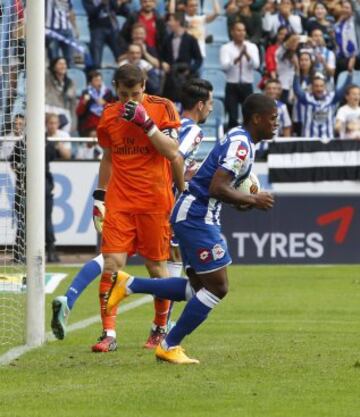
(18, 351)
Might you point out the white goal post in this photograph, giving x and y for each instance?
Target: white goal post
(35, 201)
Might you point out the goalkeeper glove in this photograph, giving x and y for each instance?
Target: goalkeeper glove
(99, 209)
(135, 112)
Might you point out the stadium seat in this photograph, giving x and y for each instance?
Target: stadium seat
(218, 29)
(342, 77)
(83, 28)
(257, 79)
(107, 76)
(212, 59)
(208, 6)
(78, 8)
(79, 78)
(121, 20)
(217, 116)
(217, 79)
(108, 60)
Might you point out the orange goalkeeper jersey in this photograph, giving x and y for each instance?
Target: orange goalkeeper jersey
(141, 178)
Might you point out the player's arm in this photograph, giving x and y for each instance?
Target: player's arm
(164, 144)
(221, 189)
(99, 193)
(177, 167)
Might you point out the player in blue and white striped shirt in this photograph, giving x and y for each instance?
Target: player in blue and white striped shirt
(319, 105)
(195, 220)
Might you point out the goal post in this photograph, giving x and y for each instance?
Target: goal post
(35, 172)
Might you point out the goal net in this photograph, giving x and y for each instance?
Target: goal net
(12, 173)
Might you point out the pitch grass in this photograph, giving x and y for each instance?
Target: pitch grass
(284, 343)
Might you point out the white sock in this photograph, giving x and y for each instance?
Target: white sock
(174, 268)
(111, 333)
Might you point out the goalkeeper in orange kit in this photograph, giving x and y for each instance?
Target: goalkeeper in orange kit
(140, 162)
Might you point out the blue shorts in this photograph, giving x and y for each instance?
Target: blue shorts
(202, 246)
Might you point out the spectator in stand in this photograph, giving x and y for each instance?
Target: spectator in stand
(273, 91)
(91, 103)
(16, 155)
(356, 8)
(7, 146)
(60, 94)
(334, 8)
(319, 104)
(154, 24)
(134, 56)
(182, 53)
(325, 61)
(306, 73)
(195, 22)
(240, 11)
(238, 58)
(89, 150)
(60, 23)
(347, 121)
(104, 27)
(63, 149)
(345, 35)
(138, 37)
(284, 17)
(270, 55)
(324, 21)
(285, 55)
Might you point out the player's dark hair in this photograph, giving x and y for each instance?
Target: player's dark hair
(193, 91)
(272, 81)
(256, 103)
(130, 75)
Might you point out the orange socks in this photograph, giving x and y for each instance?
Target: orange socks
(108, 322)
(161, 311)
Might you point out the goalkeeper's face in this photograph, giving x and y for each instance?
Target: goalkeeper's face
(130, 93)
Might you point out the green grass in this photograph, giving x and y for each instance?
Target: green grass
(284, 343)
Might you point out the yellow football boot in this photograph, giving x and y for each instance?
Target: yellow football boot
(118, 291)
(174, 355)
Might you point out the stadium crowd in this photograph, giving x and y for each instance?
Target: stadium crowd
(305, 54)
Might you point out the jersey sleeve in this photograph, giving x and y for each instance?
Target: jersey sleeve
(235, 157)
(190, 139)
(102, 133)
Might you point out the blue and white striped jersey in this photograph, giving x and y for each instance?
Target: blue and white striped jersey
(234, 153)
(57, 14)
(190, 137)
(319, 114)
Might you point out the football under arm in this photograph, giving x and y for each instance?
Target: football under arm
(221, 189)
(105, 169)
(177, 166)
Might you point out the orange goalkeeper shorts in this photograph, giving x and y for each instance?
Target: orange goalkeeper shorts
(145, 234)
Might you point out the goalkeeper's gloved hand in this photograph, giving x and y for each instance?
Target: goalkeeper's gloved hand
(99, 209)
(135, 112)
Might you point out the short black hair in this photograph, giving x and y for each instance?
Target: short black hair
(93, 74)
(193, 91)
(256, 103)
(130, 75)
